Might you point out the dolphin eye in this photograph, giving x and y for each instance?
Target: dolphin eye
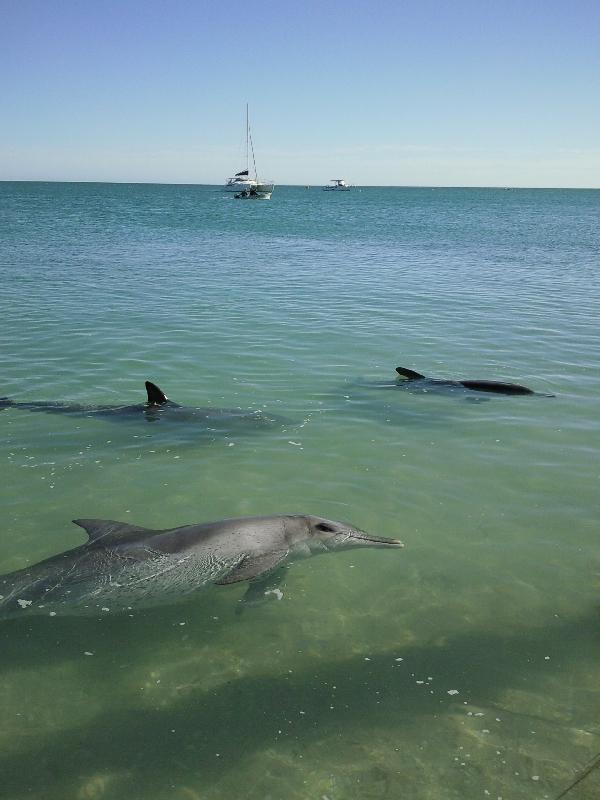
(323, 526)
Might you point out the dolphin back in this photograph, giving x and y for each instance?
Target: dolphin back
(494, 387)
(497, 387)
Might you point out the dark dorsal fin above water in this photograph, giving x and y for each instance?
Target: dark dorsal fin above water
(98, 529)
(409, 373)
(156, 397)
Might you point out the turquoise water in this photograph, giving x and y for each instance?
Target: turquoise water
(464, 666)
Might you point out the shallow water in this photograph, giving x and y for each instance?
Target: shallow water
(464, 666)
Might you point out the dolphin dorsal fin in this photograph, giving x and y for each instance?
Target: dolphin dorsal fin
(104, 528)
(409, 373)
(156, 397)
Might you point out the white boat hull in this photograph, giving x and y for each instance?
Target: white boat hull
(264, 190)
(239, 184)
(339, 185)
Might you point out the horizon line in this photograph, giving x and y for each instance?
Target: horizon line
(307, 185)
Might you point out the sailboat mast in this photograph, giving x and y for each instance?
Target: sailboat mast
(247, 140)
(253, 159)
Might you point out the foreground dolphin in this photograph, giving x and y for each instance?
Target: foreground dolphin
(124, 566)
(496, 387)
(157, 407)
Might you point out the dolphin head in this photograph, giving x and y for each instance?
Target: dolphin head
(321, 535)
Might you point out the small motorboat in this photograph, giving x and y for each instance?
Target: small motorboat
(258, 192)
(339, 185)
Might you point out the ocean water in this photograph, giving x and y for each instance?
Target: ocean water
(465, 665)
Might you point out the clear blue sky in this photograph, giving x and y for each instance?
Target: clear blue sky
(401, 92)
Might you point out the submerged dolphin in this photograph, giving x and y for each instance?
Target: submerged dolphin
(157, 407)
(495, 387)
(124, 566)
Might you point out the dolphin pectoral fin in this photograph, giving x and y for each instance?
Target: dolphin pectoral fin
(107, 528)
(262, 590)
(410, 374)
(156, 397)
(253, 567)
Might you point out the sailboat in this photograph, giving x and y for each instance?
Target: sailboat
(247, 188)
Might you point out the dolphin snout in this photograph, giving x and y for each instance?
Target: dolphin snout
(378, 541)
